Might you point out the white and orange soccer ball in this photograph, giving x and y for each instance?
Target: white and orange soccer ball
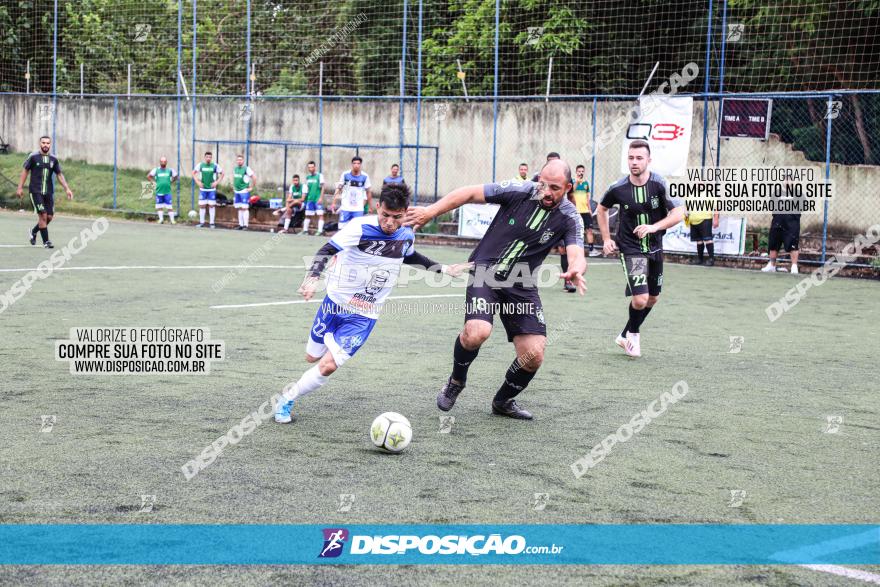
(391, 432)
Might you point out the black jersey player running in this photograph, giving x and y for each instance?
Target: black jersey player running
(532, 220)
(645, 212)
(42, 166)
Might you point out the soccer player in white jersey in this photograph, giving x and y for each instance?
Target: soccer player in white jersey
(353, 189)
(371, 250)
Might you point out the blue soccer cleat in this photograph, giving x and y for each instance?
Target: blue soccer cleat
(282, 412)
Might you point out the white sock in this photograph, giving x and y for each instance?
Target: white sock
(211, 213)
(201, 215)
(306, 224)
(161, 215)
(286, 223)
(171, 215)
(309, 382)
(321, 225)
(240, 217)
(246, 214)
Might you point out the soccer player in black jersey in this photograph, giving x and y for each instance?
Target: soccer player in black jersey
(645, 212)
(42, 166)
(532, 220)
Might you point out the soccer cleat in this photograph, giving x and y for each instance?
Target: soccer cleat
(510, 409)
(48, 245)
(569, 286)
(794, 269)
(212, 226)
(200, 225)
(633, 348)
(696, 261)
(239, 227)
(595, 253)
(32, 238)
(282, 412)
(173, 221)
(710, 262)
(769, 268)
(447, 396)
(620, 341)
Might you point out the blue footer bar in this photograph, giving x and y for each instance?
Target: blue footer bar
(705, 544)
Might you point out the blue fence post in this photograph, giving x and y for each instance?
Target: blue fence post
(721, 82)
(115, 145)
(400, 112)
(54, 72)
(707, 71)
(436, 172)
(593, 155)
(284, 179)
(179, 88)
(827, 174)
(495, 91)
(192, 204)
(321, 117)
(418, 107)
(248, 89)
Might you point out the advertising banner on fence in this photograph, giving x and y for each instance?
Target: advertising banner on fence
(474, 219)
(665, 122)
(729, 237)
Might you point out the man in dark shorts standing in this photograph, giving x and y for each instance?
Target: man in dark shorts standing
(41, 166)
(645, 212)
(785, 232)
(532, 220)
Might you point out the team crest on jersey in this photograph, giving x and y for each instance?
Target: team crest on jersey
(655, 202)
(546, 236)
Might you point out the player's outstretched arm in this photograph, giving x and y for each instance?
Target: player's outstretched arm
(469, 194)
(420, 260)
(21, 179)
(675, 216)
(577, 266)
(608, 244)
(322, 257)
(66, 187)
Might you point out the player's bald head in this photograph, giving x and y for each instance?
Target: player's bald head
(556, 168)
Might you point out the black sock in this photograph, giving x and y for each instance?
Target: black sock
(564, 259)
(710, 248)
(515, 380)
(35, 230)
(461, 361)
(44, 232)
(700, 247)
(636, 317)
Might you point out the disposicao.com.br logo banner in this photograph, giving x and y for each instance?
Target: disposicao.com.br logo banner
(660, 544)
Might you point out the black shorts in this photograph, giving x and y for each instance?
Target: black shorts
(588, 220)
(701, 232)
(644, 274)
(785, 234)
(519, 308)
(43, 203)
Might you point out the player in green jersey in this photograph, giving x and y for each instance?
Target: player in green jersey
(207, 176)
(243, 183)
(162, 177)
(314, 186)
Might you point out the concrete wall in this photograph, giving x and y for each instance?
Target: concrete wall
(463, 132)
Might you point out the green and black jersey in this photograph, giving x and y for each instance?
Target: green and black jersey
(645, 204)
(43, 168)
(524, 231)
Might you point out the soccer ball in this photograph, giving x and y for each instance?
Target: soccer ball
(192, 214)
(391, 431)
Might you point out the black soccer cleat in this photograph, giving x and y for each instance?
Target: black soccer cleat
(32, 238)
(510, 409)
(447, 396)
(696, 261)
(569, 286)
(710, 261)
(48, 245)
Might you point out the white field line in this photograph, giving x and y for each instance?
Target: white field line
(319, 300)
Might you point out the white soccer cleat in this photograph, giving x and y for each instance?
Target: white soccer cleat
(769, 268)
(620, 341)
(794, 269)
(633, 348)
